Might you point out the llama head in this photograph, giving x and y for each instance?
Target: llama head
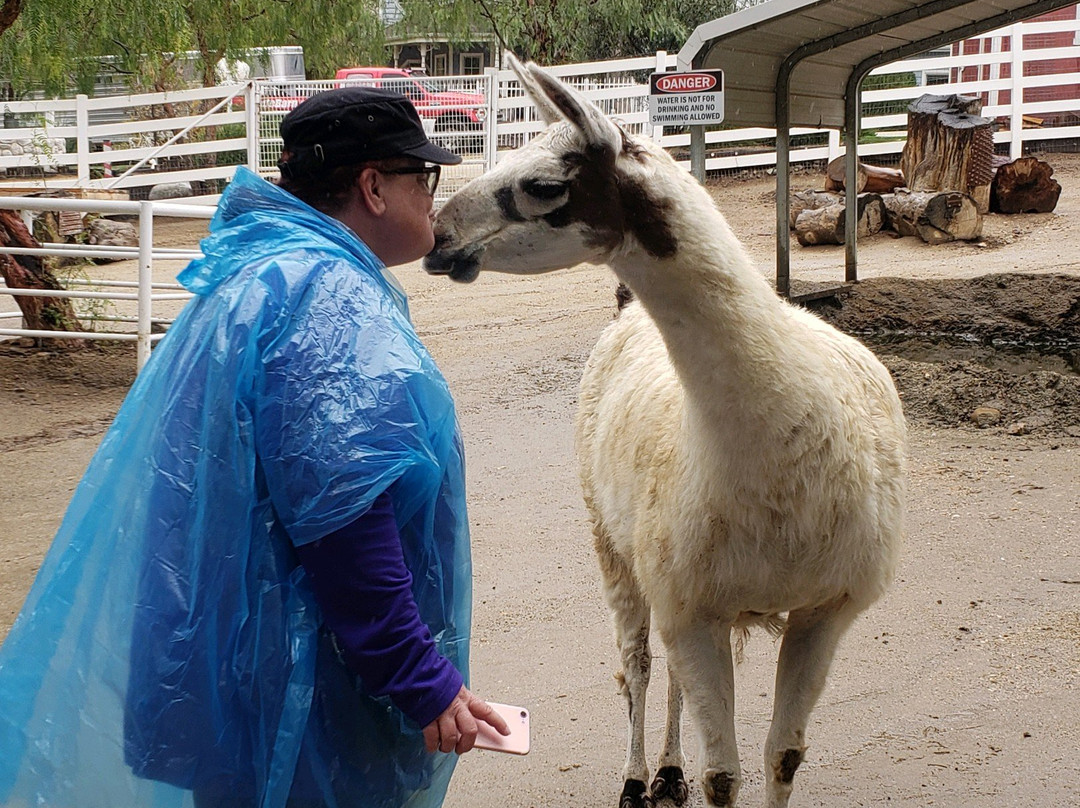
(581, 191)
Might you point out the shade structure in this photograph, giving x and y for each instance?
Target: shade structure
(800, 63)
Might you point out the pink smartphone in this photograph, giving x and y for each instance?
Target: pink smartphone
(517, 742)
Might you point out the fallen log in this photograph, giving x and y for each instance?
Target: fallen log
(935, 217)
(811, 200)
(872, 179)
(1025, 185)
(29, 272)
(949, 147)
(827, 225)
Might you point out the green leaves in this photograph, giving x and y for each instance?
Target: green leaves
(57, 44)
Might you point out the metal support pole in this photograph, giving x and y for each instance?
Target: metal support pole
(697, 153)
(782, 115)
(852, 124)
(146, 277)
(783, 210)
(252, 95)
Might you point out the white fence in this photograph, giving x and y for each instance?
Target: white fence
(128, 142)
(130, 316)
(126, 145)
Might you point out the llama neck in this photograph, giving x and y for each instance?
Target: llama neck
(728, 334)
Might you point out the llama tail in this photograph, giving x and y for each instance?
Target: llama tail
(774, 624)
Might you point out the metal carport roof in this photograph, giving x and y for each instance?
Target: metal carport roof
(800, 63)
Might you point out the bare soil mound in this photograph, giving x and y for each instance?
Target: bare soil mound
(995, 352)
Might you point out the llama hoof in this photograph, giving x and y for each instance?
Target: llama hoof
(720, 788)
(634, 795)
(670, 784)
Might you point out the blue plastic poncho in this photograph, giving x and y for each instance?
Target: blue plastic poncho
(170, 641)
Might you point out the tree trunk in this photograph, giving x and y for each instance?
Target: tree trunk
(934, 217)
(811, 200)
(28, 272)
(872, 179)
(9, 12)
(826, 225)
(1024, 186)
(949, 147)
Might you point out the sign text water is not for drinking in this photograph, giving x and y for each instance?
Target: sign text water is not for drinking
(689, 98)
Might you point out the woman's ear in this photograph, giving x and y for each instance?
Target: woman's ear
(369, 182)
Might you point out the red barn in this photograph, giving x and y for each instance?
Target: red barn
(1067, 37)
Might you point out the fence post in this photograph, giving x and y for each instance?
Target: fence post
(661, 67)
(491, 96)
(251, 108)
(1016, 94)
(82, 141)
(834, 144)
(146, 279)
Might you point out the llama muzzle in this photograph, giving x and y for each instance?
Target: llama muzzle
(461, 265)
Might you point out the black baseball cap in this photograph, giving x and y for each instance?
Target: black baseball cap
(352, 125)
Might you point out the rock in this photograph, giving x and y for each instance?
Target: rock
(1019, 428)
(984, 417)
(107, 233)
(171, 190)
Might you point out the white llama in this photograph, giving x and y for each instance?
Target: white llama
(741, 459)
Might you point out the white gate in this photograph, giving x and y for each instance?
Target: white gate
(456, 112)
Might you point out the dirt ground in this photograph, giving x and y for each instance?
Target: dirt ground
(958, 689)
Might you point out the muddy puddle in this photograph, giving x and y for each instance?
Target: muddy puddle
(1007, 342)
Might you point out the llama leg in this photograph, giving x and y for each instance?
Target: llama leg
(670, 782)
(699, 654)
(631, 614)
(806, 652)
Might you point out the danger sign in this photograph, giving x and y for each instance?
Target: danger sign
(684, 99)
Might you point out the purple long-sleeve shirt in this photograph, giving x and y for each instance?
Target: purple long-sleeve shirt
(364, 591)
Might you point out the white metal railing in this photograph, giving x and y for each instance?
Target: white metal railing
(142, 291)
(456, 112)
(129, 141)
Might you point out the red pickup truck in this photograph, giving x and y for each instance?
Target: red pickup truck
(453, 114)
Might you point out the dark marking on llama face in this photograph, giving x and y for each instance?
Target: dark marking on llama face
(789, 762)
(647, 218)
(719, 787)
(507, 205)
(612, 206)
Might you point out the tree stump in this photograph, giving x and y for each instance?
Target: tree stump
(872, 179)
(934, 217)
(949, 147)
(29, 272)
(1024, 186)
(811, 200)
(826, 225)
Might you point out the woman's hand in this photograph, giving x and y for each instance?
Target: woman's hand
(455, 730)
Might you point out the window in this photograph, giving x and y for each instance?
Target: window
(472, 64)
(439, 65)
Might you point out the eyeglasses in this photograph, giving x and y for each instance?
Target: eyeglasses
(431, 178)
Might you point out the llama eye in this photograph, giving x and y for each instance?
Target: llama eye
(544, 189)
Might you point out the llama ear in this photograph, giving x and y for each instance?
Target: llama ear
(547, 111)
(577, 109)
